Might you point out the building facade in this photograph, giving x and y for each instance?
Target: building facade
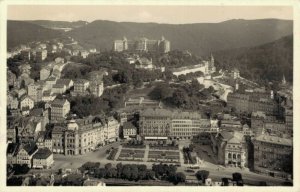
(273, 156)
(142, 44)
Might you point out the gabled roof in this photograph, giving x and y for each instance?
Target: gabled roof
(24, 97)
(128, 125)
(30, 148)
(42, 153)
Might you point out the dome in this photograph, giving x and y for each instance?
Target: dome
(72, 125)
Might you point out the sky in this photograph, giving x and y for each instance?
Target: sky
(174, 14)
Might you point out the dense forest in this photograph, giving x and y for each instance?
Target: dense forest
(199, 38)
(19, 32)
(268, 62)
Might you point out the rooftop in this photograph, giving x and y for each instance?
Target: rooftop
(274, 140)
(42, 153)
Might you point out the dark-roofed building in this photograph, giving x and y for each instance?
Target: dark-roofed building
(11, 152)
(43, 158)
(129, 130)
(25, 153)
(67, 82)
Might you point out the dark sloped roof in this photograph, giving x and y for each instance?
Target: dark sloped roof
(42, 153)
(128, 125)
(30, 148)
(12, 148)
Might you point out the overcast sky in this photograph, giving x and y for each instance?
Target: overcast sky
(159, 14)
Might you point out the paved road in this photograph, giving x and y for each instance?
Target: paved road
(62, 161)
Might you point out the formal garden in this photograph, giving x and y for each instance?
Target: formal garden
(131, 155)
(163, 156)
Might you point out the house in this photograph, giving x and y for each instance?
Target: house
(45, 73)
(129, 130)
(26, 101)
(67, 82)
(111, 130)
(80, 87)
(48, 96)
(144, 63)
(44, 140)
(35, 91)
(30, 128)
(43, 158)
(25, 154)
(59, 109)
(96, 88)
(11, 153)
(84, 54)
(59, 88)
(12, 102)
(50, 82)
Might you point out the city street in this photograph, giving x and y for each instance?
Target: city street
(216, 172)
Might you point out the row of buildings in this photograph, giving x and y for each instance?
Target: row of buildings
(142, 44)
(166, 124)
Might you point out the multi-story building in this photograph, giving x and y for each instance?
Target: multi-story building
(67, 82)
(142, 102)
(164, 124)
(83, 135)
(43, 159)
(257, 122)
(96, 88)
(50, 82)
(11, 78)
(41, 55)
(11, 153)
(59, 109)
(250, 102)
(142, 44)
(273, 155)
(129, 130)
(288, 117)
(25, 55)
(59, 88)
(111, 130)
(26, 101)
(230, 148)
(25, 154)
(45, 73)
(35, 91)
(80, 87)
(48, 96)
(155, 123)
(44, 140)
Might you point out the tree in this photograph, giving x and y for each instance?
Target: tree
(108, 166)
(237, 177)
(180, 98)
(202, 175)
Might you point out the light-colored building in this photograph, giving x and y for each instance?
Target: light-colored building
(111, 130)
(45, 73)
(26, 101)
(96, 88)
(59, 88)
(25, 154)
(59, 109)
(142, 44)
(80, 87)
(230, 148)
(42, 159)
(48, 96)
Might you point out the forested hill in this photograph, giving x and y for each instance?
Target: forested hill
(59, 24)
(200, 38)
(265, 62)
(20, 32)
